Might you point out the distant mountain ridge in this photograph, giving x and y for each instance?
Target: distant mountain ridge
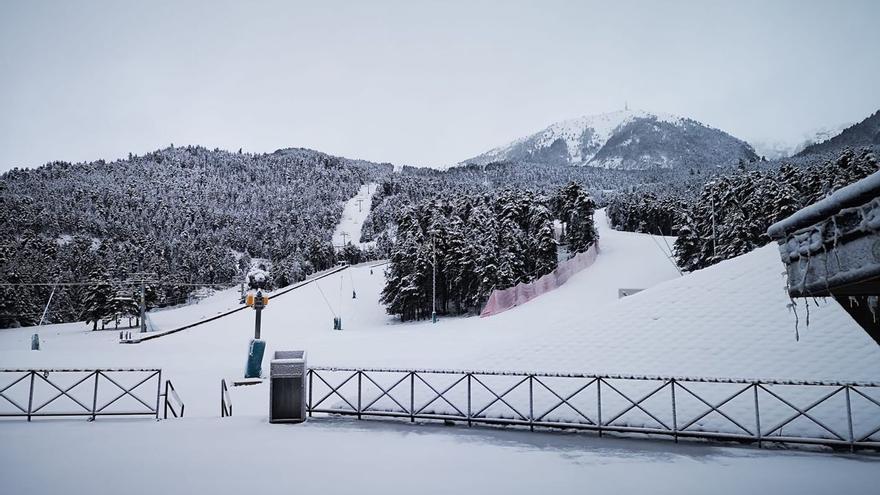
(865, 133)
(625, 140)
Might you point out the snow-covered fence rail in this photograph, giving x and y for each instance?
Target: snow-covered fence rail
(73, 392)
(839, 414)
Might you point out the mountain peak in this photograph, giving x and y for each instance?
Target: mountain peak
(625, 139)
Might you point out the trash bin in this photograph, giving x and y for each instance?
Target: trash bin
(287, 387)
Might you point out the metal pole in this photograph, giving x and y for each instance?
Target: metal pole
(849, 421)
(360, 374)
(469, 397)
(31, 395)
(412, 396)
(531, 404)
(674, 418)
(257, 323)
(599, 403)
(434, 283)
(143, 307)
(757, 416)
(714, 254)
(95, 396)
(158, 393)
(46, 309)
(311, 381)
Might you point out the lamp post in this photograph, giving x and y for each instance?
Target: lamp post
(434, 282)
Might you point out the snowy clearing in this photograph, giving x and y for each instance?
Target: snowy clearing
(353, 216)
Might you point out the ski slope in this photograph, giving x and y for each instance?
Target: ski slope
(354, 214)
(729, 320)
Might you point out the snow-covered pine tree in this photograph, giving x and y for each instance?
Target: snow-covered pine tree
(98, 299)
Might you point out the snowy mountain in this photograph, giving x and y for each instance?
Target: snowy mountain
(865, 133)
(776, 149)
(625, 140)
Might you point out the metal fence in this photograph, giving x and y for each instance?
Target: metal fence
(839, 414)
(74, 392)
(225, 400)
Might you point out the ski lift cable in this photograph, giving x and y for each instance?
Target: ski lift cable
(666, 255)
(325, 298)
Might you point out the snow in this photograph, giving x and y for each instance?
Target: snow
(247, 455)
(571, 131)
(730, 320)
(602, 126)
(353, 216)
(855, 194)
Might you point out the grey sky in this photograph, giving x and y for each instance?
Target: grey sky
(422, 83)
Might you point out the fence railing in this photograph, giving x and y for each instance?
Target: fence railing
(74, 392)
(172, 401)
(840, 414)
(225, 400)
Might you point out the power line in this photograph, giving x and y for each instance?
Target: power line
(113, 282)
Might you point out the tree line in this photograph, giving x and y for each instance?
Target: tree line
(730, 214)
(186, 216)
(476, 243)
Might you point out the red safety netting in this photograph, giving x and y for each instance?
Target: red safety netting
(504, 299)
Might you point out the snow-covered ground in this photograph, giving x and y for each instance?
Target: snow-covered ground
(353, 215)
(730, 320)
(302, 319)
(246, 455)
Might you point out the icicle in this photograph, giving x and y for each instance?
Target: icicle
(793, 307)
(807, 304)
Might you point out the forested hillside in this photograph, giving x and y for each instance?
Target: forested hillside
(865, 133)
(730, 214)
(478, 243)
(185, 217)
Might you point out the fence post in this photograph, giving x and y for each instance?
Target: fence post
(412, 396)
(95, 396)
(360, 374)
(311, 381)
(31, 396)
(852, 447)
(469, 398)
(757, 415)
(531, 404)
(159, 393)
(165, 415)
(674, 416)
(599, 403)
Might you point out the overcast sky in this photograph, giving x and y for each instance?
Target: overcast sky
(409, 82)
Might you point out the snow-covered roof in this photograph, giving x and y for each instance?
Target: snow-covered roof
(855, 194)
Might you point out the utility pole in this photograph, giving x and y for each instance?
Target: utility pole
(143, 309)
(360, 203)
(714, 253)
(46, 309)
(434, 283)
